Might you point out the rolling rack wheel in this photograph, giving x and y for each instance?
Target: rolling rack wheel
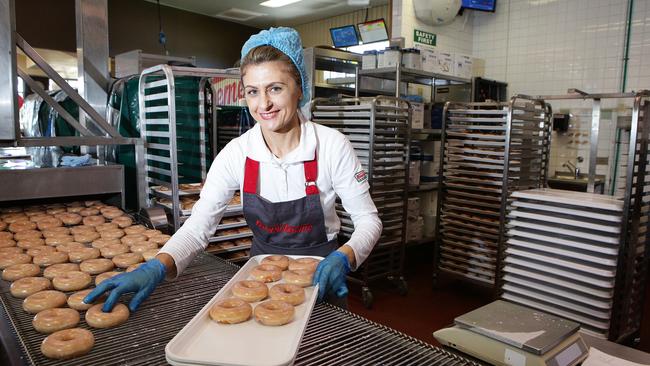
(367, 297)
(402, 286)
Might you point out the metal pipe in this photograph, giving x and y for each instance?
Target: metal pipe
(593, 151)
(626, 50)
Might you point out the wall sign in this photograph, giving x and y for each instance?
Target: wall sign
(424, 37)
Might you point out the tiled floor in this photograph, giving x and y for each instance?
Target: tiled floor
(425, 309)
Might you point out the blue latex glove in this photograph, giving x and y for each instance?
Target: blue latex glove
(142, 281)
(287, 41)
(331, 275)
(70, 160)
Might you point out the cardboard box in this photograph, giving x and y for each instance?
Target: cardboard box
(444, 63)
(463, 65)
(428, 56)
(417, 115)
(414, 172)
(414, 229)
(413, 207)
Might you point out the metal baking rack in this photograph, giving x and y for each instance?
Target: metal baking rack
(584, 256)
(488, 151)
(379, 130)
(177, 139)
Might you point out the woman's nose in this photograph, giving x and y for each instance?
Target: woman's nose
(266, 101)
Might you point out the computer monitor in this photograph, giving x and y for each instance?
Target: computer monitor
(373, 31)
(344, 36)
(482, 5)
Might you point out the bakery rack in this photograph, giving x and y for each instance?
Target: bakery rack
(488, 151)
(379, 129)
(177, 129)
(583, 256)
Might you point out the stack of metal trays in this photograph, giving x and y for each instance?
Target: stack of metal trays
(562, 254)
(378, 129)
(490, 150)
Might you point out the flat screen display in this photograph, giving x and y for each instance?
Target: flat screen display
(344, 36)
(373, 31)
(482, 5)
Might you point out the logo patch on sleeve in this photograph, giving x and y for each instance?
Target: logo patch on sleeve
(361, 176)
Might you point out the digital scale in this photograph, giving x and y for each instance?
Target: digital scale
(503, 333)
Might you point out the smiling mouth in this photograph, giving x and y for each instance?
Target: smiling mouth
(268, 115)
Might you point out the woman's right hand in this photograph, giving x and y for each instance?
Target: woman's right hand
(141, 281)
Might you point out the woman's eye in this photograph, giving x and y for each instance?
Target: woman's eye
(276, 89)
(251, 92)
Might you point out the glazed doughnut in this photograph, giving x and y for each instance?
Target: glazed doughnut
(80, 229)
(111, 233)
(151, 232)
(9, 250)
(250, 291)
(112, 250)
(70, 218)
(123, 221)
(133, 267)
(29, 285)
(68, 343)
(6, 235)
(96, 318)
(92, 203)
(48, 223)
(59, 269)
(40, 250)
(16, 217)
(104, 276)
(19, 226)
(52, 320)
(111, 212)
(134, 229)
(159, 239)
(89, 212)
(48, 259)
(149, 254)
(75, 301)
(44, 300)
(299, 277)
(266, 273)
(281, 261)
(11, 259)
(72, 281)
(56, 231)
(126, 259)
(37, 216)
(293, 294)
(106, 226)
(3, 225)
(231, 311)
(96, 266)
(133, 238)
(86, 237)
(18, 271)
(57, 240)
(30, 243)
(6, 243)
(309, 264)
(100, 243)
(74, 209)
(274, 312)
(53, 210)
(143, 246)
(93, 220)
(81, 254)
(68, 247)
(27, 234)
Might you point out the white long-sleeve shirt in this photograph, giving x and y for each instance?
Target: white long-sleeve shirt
(339, 173)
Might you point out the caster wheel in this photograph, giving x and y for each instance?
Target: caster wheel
(402, 287)
(367, 297)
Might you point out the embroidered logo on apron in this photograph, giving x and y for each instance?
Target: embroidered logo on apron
(361, 176)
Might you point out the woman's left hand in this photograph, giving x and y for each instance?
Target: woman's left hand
(331, 275)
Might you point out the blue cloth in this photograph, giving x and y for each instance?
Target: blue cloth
(287, 41)
(331, 275)
(142, 281)
(70, 160)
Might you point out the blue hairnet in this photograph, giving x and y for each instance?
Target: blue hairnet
(287, 41)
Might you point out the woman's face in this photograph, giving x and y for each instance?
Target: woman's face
(272, 96)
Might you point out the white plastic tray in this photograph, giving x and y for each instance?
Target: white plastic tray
(205, 342)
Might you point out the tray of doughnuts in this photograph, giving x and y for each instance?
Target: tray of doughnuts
(264, 306)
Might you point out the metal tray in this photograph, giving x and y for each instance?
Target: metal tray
(561, 291)
(568, 253)
(571, 232)
(540, 237)
(567, 273)
(525, 273)
(573, 264)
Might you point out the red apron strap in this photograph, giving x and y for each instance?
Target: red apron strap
(251, 174)
(311, 173)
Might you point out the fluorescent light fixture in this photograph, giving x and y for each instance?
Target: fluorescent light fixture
(278, 3)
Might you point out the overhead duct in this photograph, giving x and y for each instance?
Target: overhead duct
(436, 12)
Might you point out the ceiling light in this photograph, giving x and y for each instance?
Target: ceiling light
(278, 3)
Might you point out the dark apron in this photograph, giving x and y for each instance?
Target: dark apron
(294, 227)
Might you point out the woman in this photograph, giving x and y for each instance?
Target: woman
(289, 171)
